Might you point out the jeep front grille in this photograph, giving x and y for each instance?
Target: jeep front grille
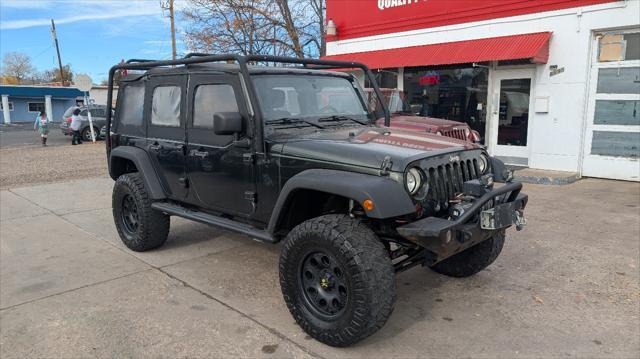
(455, 133)
(446, 180)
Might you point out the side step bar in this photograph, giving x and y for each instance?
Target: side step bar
(215, 221)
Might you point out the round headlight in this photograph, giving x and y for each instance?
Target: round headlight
(413, 180)
(483, 164)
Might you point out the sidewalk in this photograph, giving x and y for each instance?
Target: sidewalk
(566, 286)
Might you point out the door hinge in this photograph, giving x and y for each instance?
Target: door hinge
(248, 158)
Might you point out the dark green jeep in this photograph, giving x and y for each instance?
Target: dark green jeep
(292, 153)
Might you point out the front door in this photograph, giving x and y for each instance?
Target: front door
(612, 137)
(220, 168)
(510, 115)
(165, 102)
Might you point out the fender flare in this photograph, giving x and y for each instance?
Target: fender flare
(141, 160)
(389, 197)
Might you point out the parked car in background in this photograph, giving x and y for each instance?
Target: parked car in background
(98, 117)
(403, 117)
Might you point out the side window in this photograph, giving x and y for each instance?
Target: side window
(131, 107)
(210, 99)
(165, 106)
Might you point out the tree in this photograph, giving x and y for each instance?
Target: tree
(223, 26)
(281, 27)
(53, 75)
(18, 66)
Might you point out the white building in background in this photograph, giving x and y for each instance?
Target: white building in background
(99, 94)
(551, 84)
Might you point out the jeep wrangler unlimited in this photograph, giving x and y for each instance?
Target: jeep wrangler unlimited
(274, 153)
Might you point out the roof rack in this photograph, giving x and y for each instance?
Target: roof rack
(242, 60)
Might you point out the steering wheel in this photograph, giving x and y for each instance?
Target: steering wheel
(328, 110)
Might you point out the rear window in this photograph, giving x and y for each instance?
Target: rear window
(131, 107)
(165, 106)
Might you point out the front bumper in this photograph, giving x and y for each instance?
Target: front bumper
(446, 237)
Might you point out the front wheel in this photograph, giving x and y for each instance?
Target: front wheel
(140, 227)
(337, 279)
(472, 260)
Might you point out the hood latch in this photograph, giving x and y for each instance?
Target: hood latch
(386, 165)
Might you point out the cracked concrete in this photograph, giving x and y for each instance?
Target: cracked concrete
(566, 286)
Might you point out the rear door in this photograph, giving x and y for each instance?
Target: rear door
(165, 114)
(221, 172)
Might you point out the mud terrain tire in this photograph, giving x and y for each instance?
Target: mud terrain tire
(472, 260)
(140, 227)
(344, 255)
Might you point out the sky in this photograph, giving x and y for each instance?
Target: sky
(93, 34)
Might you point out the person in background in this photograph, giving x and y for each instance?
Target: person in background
(42, 125)
(76, 123)
(425, 110)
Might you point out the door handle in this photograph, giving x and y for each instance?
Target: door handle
(155, 147)
(201, 154)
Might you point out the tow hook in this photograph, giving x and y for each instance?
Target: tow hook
(520, 221)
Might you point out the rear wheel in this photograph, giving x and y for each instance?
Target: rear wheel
(337, 279)
(86, 134)
(140, 227)
(472, 260)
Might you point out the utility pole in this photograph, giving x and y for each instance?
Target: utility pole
(55, 40)
(169, 6)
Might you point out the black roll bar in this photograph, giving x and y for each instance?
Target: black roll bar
(198, 58)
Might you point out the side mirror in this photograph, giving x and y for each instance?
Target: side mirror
(227, 123)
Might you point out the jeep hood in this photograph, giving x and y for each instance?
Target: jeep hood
(368, 147)
(420, 123)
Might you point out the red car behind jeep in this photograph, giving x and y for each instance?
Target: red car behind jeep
(402, 117)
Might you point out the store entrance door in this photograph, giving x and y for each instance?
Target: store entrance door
(508, 125)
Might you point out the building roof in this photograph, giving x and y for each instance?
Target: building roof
(40, 91)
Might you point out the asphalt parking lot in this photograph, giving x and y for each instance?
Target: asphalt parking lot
(566, 286)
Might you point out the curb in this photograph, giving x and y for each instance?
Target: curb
(547, 180)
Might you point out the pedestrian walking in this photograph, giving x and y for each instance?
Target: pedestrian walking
(42, 126)
(76, 123)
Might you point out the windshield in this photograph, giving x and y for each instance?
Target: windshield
(310, 97)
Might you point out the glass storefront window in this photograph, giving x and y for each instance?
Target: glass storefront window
(457, 94)
(622, 80)
(617, 112)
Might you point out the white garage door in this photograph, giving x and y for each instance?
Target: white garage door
(612, 138)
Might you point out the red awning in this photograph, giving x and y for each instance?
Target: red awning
(515, 47)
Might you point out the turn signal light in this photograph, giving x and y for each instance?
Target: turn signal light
(368, 205)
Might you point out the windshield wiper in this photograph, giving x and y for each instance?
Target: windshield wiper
(341, 118)
(293, 120)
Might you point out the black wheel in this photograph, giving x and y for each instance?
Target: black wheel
(472, 260)
(337, 279)
(86, 134)
(140, 227)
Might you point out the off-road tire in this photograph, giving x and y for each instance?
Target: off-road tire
(153, 226)
(371, 292)
(472, 260)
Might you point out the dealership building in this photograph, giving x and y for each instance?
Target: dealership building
(549, 84)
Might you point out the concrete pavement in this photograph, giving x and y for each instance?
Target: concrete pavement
(567, 286)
